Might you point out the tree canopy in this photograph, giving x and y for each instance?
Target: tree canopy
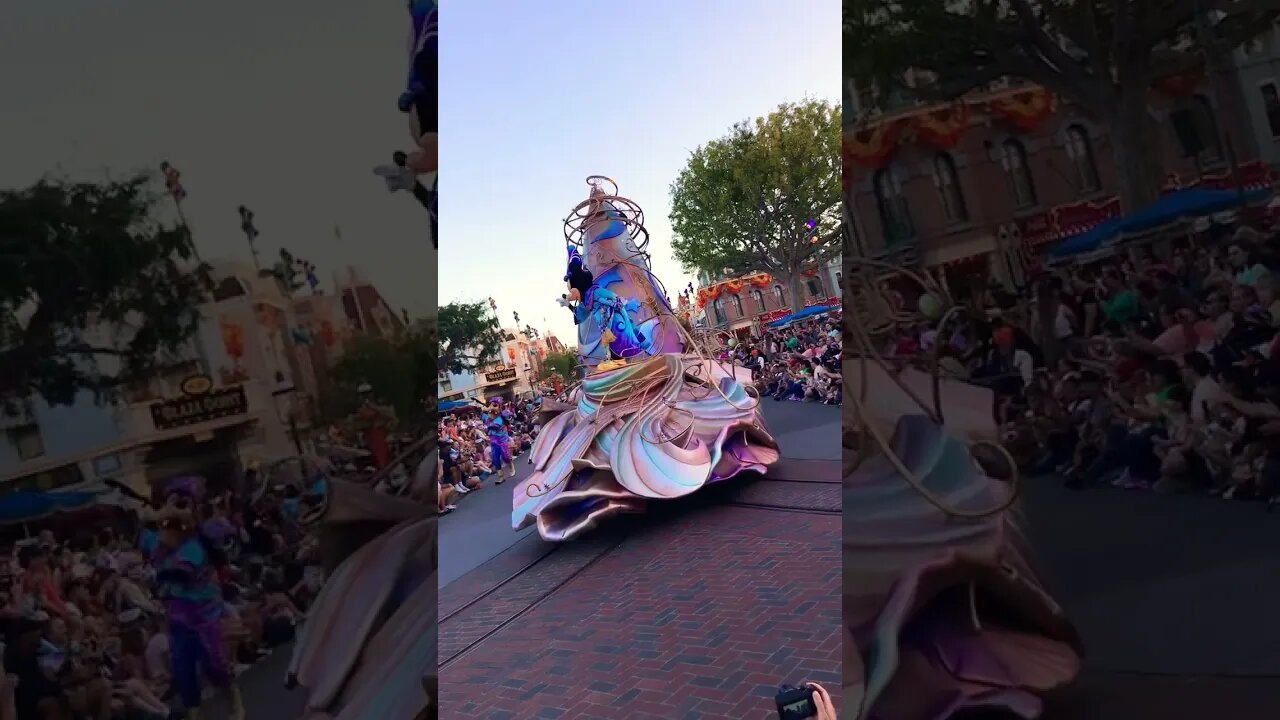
(400, 372)
(1104, 55)
(469, 336)
(745, 201)
(564, 363)
(95, 291)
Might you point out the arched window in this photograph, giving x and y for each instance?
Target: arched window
(1206, 120)
(779, 296)
(1080, 150)
(718, 308)
(815, 288)
(737, 305)
(895, 212)
(759, 298)
(1018, 171)
(947, 181)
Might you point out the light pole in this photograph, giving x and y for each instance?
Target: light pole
(250, 234)
(173, 183)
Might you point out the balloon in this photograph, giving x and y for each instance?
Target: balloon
(930, 306)
(733, 342)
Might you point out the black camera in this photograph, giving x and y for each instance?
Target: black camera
(795, 703)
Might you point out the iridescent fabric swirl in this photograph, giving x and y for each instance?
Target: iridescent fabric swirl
(944, 612)
(653, 430)
(663, 425)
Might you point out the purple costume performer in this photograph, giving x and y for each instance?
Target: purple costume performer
(495, 420)
(192, 596)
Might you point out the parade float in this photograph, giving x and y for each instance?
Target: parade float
(655, 418)
(943, 611)
(368, 646)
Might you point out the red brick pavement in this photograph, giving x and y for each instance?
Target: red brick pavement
(696, 617)
(819, 496)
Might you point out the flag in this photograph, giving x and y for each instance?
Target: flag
(173, 181)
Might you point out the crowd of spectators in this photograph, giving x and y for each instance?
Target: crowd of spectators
(1157, 367)
(84, 624)
(466, 454)
(800, 362)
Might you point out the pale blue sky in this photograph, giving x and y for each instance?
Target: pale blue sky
(282, 106)
(534, 97)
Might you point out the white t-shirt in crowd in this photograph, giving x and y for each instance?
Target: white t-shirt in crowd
(1063, 323)
(1206, 391)
(1025, 365)
(157, 655)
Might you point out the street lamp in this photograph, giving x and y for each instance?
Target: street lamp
(173, 184)
(250, 233)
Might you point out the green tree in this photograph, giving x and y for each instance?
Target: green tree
(565, 364)
(95, 292)
(469, 336)
(745, 201)
(1104, 55)
(394, 372)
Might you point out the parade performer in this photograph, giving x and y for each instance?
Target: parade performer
(944, 613)
(497, 421)
(375, 422)
(656, 417)
(187, 576)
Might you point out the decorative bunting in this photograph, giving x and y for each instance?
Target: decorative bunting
(943, 127)
(873, 146)
(734, 286)
(1024, 109)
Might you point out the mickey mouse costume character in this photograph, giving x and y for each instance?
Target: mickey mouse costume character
(186, 573)
(580, 281)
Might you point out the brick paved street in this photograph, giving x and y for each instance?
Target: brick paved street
(698, 609)
(699, 618)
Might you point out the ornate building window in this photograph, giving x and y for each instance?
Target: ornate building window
(1018, 170)
(891, 200)
(1080, 150)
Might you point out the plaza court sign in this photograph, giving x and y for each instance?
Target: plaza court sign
(199, 403)
(502, 375)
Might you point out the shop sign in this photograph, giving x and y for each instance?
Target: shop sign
(199, 403)
(502, 375)
(774, 315)
(831, 301)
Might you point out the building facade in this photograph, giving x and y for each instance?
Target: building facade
(514, 373)
(981, 187)
(1258, 68)
(744, 305)
(238, 394)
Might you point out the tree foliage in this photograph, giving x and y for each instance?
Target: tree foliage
(400, 372)
(564, 363)
(743, 201)
(95, 292)
(469, 336)
(1104, 55)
